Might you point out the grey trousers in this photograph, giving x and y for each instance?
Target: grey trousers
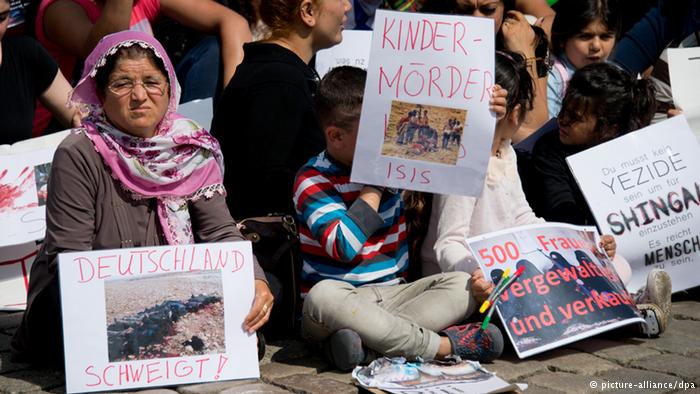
(399, 320)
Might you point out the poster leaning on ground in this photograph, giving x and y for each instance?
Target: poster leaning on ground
(568, 289)
(644, 188)
(425, 123)
(157, 316)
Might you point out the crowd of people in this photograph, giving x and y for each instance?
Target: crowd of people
(385, 271)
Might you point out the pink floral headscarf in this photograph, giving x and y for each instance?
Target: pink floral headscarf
(181, 163)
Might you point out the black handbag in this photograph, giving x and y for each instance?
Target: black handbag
(276, 246)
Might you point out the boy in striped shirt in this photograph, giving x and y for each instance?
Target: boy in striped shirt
(353, 242)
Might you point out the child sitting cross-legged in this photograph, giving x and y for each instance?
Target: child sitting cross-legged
(357, 304)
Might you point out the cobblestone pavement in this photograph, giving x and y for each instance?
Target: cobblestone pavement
(600, 364)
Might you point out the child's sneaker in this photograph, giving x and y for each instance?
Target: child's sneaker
(656, 319)
(344, 349)
(657, 291)
(470, 342)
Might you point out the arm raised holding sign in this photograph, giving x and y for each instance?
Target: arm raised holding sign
(136, 174)
(453, 219)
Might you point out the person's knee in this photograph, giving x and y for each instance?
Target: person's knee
(326, 295)
(457, 284)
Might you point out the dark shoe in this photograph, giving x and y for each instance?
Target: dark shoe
(344, 349)
(470, 342)
(261, 345)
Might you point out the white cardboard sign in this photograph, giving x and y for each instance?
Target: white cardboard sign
(15, 264)
(352, 51)
(568, 289)
(425, 122)
(644, 189)
(157, 316)
(24, 173)
(683, 67)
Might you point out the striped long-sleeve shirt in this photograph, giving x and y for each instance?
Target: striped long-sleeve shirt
(342, 237)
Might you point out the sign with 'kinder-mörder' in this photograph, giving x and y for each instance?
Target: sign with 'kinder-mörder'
(157, 316)
(425, 122)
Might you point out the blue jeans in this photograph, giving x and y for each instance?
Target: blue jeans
(200, 71)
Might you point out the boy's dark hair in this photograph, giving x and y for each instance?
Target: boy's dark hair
(618, 101)
(339, 96)
(572, 16)
(512, 75)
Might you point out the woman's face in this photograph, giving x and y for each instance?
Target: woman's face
(330, 18)
(579, 132)
(592, 45)
(493, 9)
(137, 95)
(4, 17)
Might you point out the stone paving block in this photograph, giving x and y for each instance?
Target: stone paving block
(686, 310)
(563, 381)
(30, 380)
(686, 328)
(684, 367)
(338, 376)
(568, 360)
(310, 366)
(513, 370)
(10, 320)
(314, 384)
(289, 350)
(157, 391)
(638, 379)
(532, 389)
(213, 387)
(667, 344)
(256, 388)
(617, 352)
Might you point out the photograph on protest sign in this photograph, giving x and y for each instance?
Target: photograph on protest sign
(644, 189)
(168, 315)
(440, 63)
(15, 264)
(352, 51)
(24, 171)
(155, 316)
(41, 180)
(567, 289)
(424, 132)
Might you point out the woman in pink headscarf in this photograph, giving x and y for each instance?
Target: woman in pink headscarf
(136, 174)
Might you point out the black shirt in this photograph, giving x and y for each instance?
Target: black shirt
(552, 189)
(266, 124)
(26, 71)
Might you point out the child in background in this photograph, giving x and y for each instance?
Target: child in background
(584, 32)
(353, 242)
(602, 102)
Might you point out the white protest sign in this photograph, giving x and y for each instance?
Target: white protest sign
(24, 173)
(683, 67)
(644, 188)
(352, 51)
(15, 265)
(425, 122)
(568, 289)
(157, 316)
(200, 110)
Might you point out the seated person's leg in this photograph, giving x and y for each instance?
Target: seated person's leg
(199, 72)
(434, 302)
